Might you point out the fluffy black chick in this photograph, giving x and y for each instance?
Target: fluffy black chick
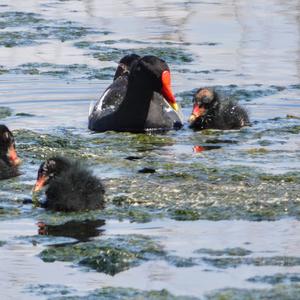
(9, 160)
(209, 112)
(69, 186)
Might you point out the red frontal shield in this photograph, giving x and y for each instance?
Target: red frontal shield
(166, 89)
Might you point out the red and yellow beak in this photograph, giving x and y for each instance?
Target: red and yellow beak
(166, 90)
(40, 183)
(13, 157)
(196, 113)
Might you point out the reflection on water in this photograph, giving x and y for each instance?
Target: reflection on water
(251, 44)
(265, 46)
(79, 230)
(199, 148)
(200, 241)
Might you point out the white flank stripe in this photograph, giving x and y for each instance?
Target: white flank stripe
(91, 107)
(99, 106)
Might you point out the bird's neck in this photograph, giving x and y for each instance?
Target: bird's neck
(137, 102)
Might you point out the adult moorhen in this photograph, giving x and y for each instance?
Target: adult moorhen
(139, 100)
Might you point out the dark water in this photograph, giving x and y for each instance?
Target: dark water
(220, 223)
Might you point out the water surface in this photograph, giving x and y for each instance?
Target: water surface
(221, 222)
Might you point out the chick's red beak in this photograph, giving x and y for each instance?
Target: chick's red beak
(166, 89)
(12, 156)
(40, 183)
(196, 113)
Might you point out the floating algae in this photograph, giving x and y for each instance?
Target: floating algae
(36, 29)
(51, 290)
(182, 262)
(111, 260)
(102, 52)
(257, 151)
(73, 71)
(129, 293)
(59, 292)
(3, 70)
(18, 18)
(9, 212)
(14, 38)
(280, 292)
(228, 252)
(5, 112)
(185, 215)
(234, 262)
(292, 117)
(109, 256)
(279, 278)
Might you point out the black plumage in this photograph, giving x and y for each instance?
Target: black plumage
(9, 160)
(125, 65)
(209, 112)
(139, 99)
(70, 186)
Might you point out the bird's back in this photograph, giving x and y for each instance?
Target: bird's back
(233, 115)
(103, 115)
(75, 190)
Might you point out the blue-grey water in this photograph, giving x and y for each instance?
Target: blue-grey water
(219, 224)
